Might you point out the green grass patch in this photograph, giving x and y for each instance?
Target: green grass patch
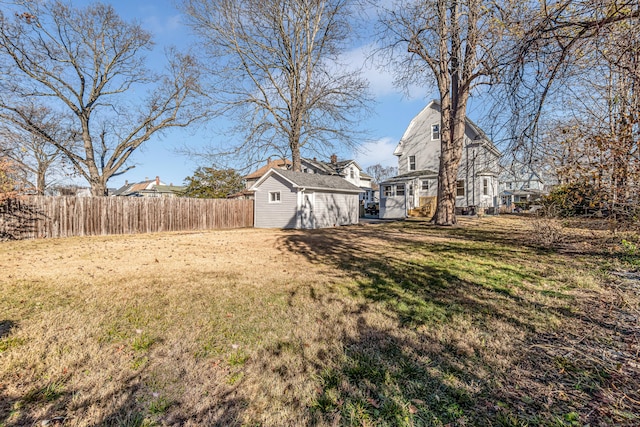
(402, 324)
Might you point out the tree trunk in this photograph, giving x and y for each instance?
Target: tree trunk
(98, 188)
(40, 182)
(296, 160)
(451, 147)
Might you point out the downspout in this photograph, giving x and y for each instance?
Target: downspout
(299, 207)
(474, 177)
(466, 181)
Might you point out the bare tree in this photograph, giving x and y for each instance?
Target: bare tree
(597, 139)
(35, 159)
(457, 44)
(90, 64)
(380, 173)
(547, 56)
(276, 71)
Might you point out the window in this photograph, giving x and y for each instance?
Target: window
(485, 186)
(412, 163)
(274, 197)
(425, 185)
(400, 190)
(509, 185)
(460, 188)
(352, 173)
(435, 131)
(411, 189)
(387, 191)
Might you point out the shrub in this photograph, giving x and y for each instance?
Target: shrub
(579, 198)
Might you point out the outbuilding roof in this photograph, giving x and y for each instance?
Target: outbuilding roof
(425, 173)
(311, 181)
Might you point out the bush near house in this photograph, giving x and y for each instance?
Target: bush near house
(574, 199)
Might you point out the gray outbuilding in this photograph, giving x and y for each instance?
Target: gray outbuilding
(286, 199)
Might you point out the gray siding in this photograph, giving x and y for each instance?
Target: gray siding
(417, 142)
(276, 215)
(329, 208)
(393, 207)
(333, 209)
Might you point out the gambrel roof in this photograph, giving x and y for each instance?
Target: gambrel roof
(480, 135)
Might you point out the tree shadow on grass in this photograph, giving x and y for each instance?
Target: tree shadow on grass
(450, 359)
(18, 219)
(131, 403)
(5, 327)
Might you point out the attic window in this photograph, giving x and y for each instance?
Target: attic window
(352, 173)
(435, 131)
(274, 197)
(412, 163)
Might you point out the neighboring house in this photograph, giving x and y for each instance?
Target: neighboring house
(414, 190)
(347, 169)
(520, 184)
(71, 190)
(253, 177)
(149, 188)
(286, 199)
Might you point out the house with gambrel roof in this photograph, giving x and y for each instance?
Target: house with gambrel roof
(414, 190)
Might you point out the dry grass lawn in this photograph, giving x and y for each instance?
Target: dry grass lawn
(394, 324)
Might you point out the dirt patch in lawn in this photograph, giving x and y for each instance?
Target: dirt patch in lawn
(391, 324)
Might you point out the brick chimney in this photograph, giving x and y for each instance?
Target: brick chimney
(157, 180)
(334, 159)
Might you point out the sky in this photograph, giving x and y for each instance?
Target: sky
(160, 156)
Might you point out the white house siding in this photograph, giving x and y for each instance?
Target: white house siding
(479, 161)
(417, 142)
(393, 207)
(332, 209)
(276, 215)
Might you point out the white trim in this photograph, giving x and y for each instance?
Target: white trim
(267, 175)
(272, 171)
(272, 198)
(409, 163)
(439, 131)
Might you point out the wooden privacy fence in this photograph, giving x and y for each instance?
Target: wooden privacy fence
(43, 216)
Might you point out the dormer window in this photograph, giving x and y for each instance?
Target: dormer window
(435, 131)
